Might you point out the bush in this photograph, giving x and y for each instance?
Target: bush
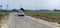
(1, 15)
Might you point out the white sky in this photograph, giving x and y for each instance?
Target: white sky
(31, 4)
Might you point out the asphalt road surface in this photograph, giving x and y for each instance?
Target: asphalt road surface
(16, 21)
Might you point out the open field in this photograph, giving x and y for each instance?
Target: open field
(48, 16)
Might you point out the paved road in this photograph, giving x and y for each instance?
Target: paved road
(24, 22)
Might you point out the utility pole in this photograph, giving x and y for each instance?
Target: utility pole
(7, 6)
(0, 7)
(20, 6)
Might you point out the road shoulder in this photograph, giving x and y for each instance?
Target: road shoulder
(54, 24)
(4, 22)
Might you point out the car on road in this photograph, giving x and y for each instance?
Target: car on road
(21, 13)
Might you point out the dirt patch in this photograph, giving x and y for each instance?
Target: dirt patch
(4, 20)
(46, 17)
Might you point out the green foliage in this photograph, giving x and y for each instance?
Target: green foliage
(2, 14)
(22, 9)
(56, 14)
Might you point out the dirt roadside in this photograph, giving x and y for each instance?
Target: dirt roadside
(4, 21)
(54, 24)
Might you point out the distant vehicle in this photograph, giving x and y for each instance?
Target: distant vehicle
(20, 13)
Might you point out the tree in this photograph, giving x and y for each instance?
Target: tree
(56, 10)
(22, 9)
(14, 10)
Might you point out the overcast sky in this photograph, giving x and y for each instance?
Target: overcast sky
(31, 4)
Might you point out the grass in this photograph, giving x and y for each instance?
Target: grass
(56, 14)
(2, 14)
(48, 16)
(2, 18)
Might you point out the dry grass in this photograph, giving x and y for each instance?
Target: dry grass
(50, 16)
(3, 18)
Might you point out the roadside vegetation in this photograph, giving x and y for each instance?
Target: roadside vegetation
(48, 16)
(3, 18)
(2, 14)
